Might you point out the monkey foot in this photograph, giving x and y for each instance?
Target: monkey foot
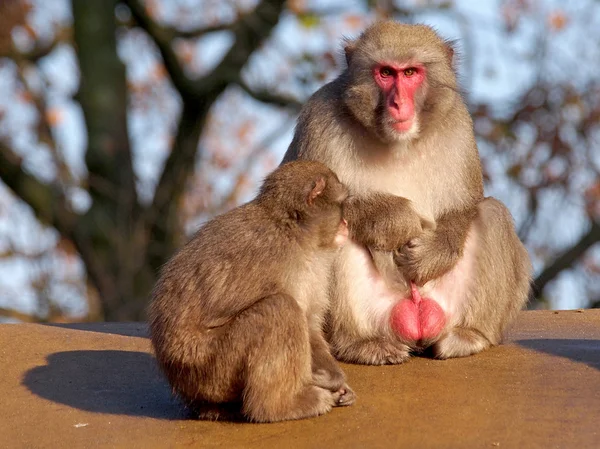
(331, 380)
(344, 397)
(376, 351)
(417, 319)
(460, 342)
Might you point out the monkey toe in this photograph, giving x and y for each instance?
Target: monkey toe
(344, 397)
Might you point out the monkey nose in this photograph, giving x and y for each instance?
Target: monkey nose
(396, 101)
(400, 109)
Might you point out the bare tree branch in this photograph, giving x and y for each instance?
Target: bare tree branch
(40, 50)
(44, 129)
(566, 259)
(266, 96)
(24, 317)
(196, 32)
(163, 37)
(250, 31)
(198, 96)
(253, 157)
(46, 200)
(44, 49)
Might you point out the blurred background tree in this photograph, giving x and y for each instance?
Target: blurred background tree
(126, 124)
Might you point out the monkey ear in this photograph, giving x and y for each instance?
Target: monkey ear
(450, 50)
(349, 47)
(317, 188)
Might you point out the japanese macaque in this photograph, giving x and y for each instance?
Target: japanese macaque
(236, 317)
(431, 263)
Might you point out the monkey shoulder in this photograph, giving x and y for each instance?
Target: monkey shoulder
(244, 232)
(324, 103)
(319, 125)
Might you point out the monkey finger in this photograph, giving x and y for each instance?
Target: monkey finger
(405, 255)
(411, 243)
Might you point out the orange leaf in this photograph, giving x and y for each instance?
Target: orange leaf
(245, 130)
(186, 52)
(557, 20)
(25, 96)
(158, 72)
(54, 116)
(296, 6)
(354, 21)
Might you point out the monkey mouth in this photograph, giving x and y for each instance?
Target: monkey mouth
(403, 126)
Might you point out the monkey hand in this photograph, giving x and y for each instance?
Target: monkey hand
(381, 221)
(425, 257)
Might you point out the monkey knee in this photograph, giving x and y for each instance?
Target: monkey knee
(279, 307)
(287, 329)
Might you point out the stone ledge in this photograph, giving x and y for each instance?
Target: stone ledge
(96, 385)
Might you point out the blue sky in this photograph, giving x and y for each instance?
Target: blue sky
(496, 69)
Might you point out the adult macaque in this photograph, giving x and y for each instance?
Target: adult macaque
(395, 129)
(236, 317)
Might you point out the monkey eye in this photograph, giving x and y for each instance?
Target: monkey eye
(410, 71)
(386, 71)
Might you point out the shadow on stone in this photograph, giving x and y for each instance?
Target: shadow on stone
(117, 382)
(124, 329)
(579, 350)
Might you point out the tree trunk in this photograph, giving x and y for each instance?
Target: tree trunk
(106, 234)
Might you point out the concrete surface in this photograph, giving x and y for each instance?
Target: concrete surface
(96, 385)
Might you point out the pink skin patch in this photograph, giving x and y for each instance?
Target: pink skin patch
(417, 318)
(342, 234)
(399, 84)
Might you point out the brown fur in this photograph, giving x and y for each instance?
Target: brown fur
(438, 169)
(382, 221)
(236, 316)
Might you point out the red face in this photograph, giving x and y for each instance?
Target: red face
(399, 84)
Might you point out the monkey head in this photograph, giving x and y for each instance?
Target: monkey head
(396, 79)
(308, 196)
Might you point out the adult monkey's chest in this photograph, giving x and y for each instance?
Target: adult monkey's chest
(429, 181)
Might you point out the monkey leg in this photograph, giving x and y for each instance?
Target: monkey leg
(496, 273)
(383, 350)
(358, 323)
(255, 367)
(279, 382)
(326, 371)
(479, 297)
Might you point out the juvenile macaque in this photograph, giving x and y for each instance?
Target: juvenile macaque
(431, 262)
(236, 317)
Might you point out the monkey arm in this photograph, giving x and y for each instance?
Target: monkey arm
(381, 221)
(436, 251)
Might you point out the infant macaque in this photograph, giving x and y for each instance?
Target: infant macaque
(236, 315)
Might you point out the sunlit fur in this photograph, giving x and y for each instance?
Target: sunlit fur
(236, 315)
(471, 261)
